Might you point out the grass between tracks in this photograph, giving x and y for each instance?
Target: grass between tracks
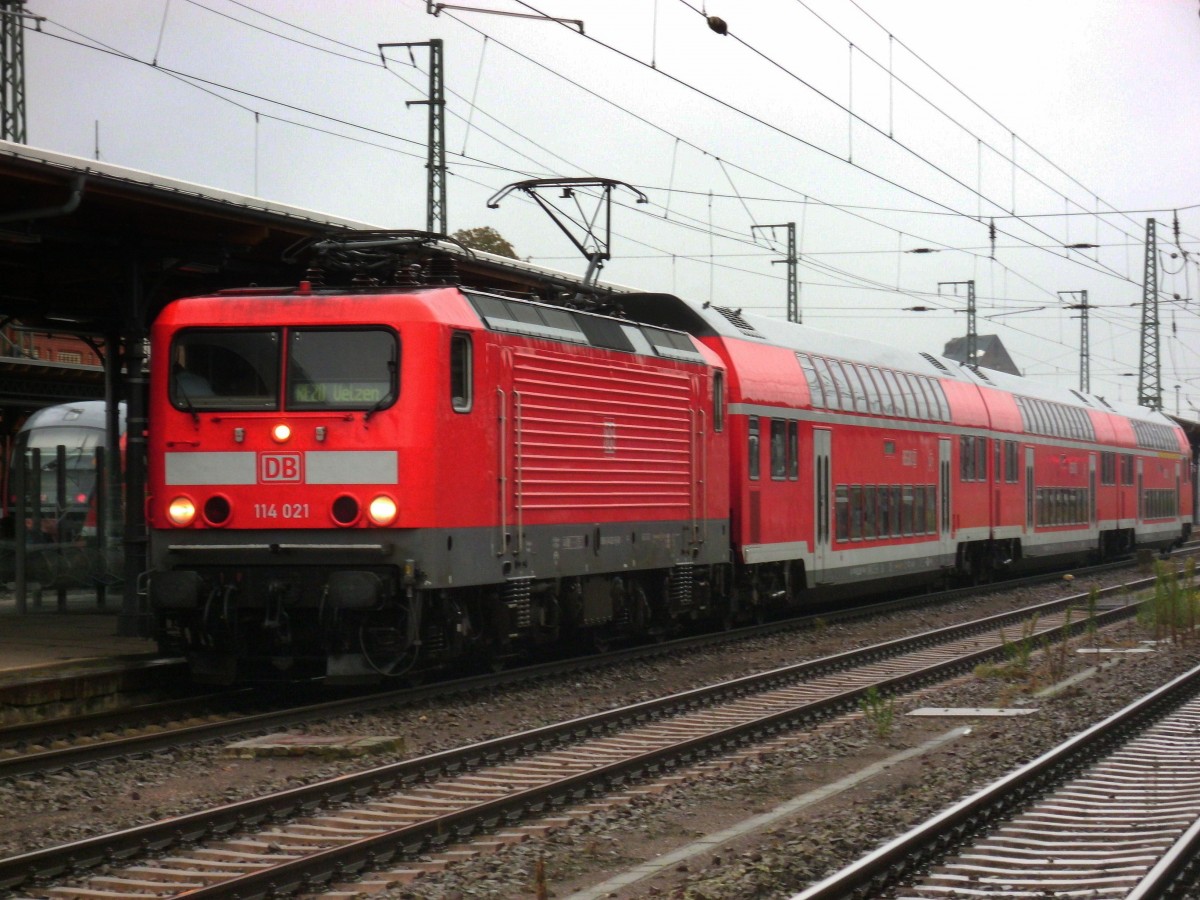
(1171, 612)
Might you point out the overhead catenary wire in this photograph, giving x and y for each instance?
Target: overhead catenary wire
(1105, 270)
(727, 105)
(741, 197)
(1100, 267)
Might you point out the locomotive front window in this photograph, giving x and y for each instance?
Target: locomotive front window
(342, 368)
(225, 369)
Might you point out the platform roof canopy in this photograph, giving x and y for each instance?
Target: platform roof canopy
(81, 239)
(91, 247)
(95, 249)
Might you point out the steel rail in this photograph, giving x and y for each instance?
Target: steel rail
(89, 753)
(308, 872)
(917, 848)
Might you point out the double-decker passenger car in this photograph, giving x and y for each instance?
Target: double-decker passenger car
(347, 482)
(856, 462)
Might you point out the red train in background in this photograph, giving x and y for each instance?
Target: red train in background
(352, 482)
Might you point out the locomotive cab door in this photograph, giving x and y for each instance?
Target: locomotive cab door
(822, 494)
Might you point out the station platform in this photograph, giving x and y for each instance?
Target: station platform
(47, 638)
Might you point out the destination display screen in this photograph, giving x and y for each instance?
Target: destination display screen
(339, 393)
(342, 368)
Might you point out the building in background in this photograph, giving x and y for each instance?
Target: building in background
(988, 348)
(19, 343)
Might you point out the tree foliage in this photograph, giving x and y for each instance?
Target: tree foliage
(487, 239)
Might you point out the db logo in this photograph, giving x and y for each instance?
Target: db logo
(279, 467)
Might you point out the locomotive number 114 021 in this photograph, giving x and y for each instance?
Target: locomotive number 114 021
(281, 510)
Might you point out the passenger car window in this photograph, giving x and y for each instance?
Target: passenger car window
(778, 449)
(753, 452)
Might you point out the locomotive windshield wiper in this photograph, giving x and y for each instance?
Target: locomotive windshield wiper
(386, 398)
(182, 394)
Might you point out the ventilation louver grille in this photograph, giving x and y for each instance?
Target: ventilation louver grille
(735, 319)
(936, 363)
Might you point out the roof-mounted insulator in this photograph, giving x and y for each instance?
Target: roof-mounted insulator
(361, 279)
(315, 275)
(409, 276)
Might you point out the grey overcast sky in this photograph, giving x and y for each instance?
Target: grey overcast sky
(878, 127)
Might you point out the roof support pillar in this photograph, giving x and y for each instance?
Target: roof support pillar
(107, 521)
(135, 619)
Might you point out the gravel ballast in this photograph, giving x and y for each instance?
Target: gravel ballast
(67, 806)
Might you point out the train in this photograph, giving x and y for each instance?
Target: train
(60, 503)
(382, 470)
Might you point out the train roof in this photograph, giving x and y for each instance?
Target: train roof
(710, 319)
(85, 413)
(1028, 387)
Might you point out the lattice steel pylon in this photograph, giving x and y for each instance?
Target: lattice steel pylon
(972, 352)
(793, 292)
(1085, 353)
(12, 70)
(435, 181)
(1150, 367)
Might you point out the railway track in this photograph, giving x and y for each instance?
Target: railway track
(309, 836)
(1117, 814)
(45, 746)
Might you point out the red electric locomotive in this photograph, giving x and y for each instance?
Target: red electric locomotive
(349, 482)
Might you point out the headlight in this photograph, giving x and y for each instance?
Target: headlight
(281, 433)
(382, 510)
(181, 511)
